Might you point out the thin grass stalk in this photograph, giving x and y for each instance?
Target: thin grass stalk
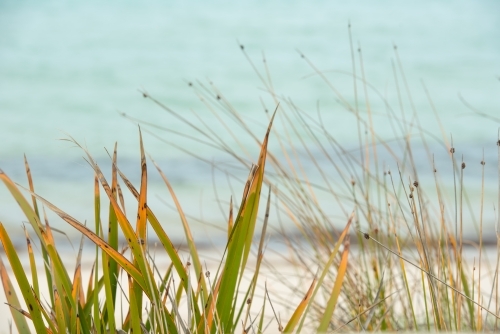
(450, 285)
(479, 293)
(326, 268)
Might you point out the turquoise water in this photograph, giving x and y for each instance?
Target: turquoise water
(70, 68)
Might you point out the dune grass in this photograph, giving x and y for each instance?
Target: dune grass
(391, 258)
(216, 304)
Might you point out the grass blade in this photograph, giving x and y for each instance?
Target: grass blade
(333, 254)
(13, 301)
(22, 280)
(330, 306)
(239, 243)
(115, 255)
(299, 311)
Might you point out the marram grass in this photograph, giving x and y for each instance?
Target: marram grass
(214, 306)
(397, 263)
(408, 264)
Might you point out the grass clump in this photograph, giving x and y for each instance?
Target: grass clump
(409, 264)
(216, 303)
(392, 256)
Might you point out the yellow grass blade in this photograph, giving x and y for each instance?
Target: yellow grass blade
(187, 231)
(23, 204)
(407, 287)
(327, 267)
(299, 311)
(60, 319)
(332, 302)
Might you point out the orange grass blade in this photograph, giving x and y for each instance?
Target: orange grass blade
(141, 210)
(332, 302)
(141, 223)
(129, 233)
(255, 189)
(299, 311)
(163, 237)
(30, 182)
(122, 261)
(77, 292)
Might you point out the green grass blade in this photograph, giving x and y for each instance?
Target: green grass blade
(260, 328)
(253, 204)
(113, 229)
(44, 252)
(32, 217)
(11, 296)
(92, 307)
(187, 231)
(239, 243)
(109, 301)
(260, 257)
(135, 319)
(34, 272)
(59, 273)
(22, 280)
(23, 204)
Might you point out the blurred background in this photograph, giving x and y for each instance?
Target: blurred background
(71, 67)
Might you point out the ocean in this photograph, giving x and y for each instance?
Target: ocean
(72, 69)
